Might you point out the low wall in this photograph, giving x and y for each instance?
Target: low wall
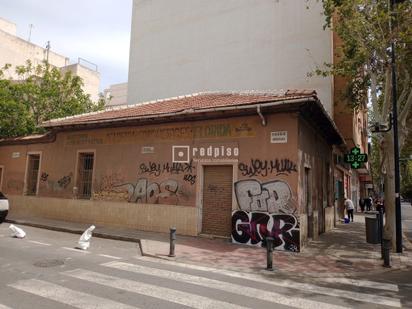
(145, 217)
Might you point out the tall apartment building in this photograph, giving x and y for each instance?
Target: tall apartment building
(15, 51)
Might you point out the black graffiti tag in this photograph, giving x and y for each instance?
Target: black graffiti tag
(258, 167)
(253, 228)
(190, 178)
(157, 169)
(64, 181)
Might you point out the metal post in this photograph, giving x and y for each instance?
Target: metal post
(172, 242)
(381, 229)
(387, 253)
(398, 213)
(269, 253)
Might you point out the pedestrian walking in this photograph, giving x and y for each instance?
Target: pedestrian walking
(368, 203)
(362, 204)
(380, 205)
(349, 208)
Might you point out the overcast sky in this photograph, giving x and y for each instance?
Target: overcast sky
(96, 30)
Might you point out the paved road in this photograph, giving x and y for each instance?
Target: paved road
(45, 271)
(407, 220)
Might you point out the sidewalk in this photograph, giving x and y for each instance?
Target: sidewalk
(341, 252)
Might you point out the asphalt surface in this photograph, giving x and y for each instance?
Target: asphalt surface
(44, 270)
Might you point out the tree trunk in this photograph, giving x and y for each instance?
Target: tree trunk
(389, 180)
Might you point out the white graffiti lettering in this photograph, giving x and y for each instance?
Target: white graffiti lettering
(272, 197)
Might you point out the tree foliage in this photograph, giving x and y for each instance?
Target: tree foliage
(39, 93)
(366, 29)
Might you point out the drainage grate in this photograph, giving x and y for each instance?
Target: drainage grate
(49, 263)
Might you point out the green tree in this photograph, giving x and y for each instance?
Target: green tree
(366, 29)
(39, 93)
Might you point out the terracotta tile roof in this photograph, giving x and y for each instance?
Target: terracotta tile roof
(191, 104)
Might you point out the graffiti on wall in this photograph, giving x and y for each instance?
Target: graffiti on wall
(107, 188)
(157, 169)
(273, 196)
(44, 176)
(258, 167)
(65, 181)
(144, 191)
(190, 178)
(253, 227)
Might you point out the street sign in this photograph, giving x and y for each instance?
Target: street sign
(355, 158)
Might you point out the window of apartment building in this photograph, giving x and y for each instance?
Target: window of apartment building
(85, 174)
(32, 174)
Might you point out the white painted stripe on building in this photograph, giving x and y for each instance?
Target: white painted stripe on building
(4, 307)
(66, 296)
(75, 250)
(272, 297)
(363, 283)
(362, 297)
(167, 294)
(110, 256)
(39, 243)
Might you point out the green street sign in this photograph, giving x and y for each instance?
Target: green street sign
(355, 158)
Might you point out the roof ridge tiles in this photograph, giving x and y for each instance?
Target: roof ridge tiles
(194, 101)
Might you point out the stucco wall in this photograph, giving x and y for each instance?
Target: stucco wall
(91, 79)
(145, 217)
(186, 46)
(134, 176)
(315, 194)
(16, 51)
(8, 26)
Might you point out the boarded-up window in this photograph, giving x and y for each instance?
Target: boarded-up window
(85, 175)
(32, 174)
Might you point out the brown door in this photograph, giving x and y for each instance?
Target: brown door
(217, 200)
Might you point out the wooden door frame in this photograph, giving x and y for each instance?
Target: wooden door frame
(199, 186)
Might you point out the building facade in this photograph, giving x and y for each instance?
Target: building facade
(188, 46)
(116, 95)
(236, 165)
(16, 51)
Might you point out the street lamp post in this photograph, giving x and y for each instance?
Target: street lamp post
(398, 213)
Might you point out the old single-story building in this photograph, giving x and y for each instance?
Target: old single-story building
(239, 165)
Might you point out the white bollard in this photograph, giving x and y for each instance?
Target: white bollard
(84, 241)
(17, 232)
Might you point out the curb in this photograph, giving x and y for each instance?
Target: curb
(141, 246)
(79, 232)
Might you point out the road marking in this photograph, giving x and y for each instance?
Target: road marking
(362, 297)
(272, 297)
(363, 283)
(75, 250)
(110, 256)
(39, 243)
(66, 296)
(175, 296)
(4, 307)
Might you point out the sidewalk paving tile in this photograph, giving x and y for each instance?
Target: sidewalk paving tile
(340, 252)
